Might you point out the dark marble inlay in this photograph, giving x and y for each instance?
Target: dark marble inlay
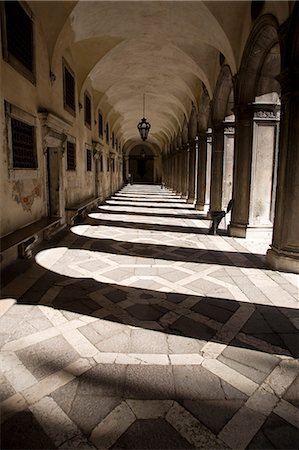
(276, 432)
(151, 434)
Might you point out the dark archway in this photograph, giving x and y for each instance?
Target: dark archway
(142, 164)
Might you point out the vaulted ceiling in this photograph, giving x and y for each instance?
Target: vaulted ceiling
(166, 50)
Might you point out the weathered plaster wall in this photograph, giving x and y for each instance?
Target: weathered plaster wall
(22, 192)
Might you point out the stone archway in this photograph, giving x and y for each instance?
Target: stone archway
(142, 164)
(257, 122)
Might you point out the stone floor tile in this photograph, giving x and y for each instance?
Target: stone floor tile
(148, 341)
(16, 373)
(119, 343)
(280, 434)
(44, 358)
(182, 344)
(250, 363)
(46, 386)
(6, 304)
(192, 430)
(214, 414)
(6, 388)
(21, 321)
(151, 434)
(288, 412)
(241, 429)
(54, 421)
(186, 359)
(142, 359)
(187, 316)
(88, 399)
(187, 327)
(283, 376)
(80, 343)
(196, 382)
(150, 409)
(149, 383)
(147, 312)
(292, 393)
(78, 442)
(260, 442)
(231, 376)
(107, 432)
(216, 308)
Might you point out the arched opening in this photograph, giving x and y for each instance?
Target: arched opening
(223, 128)
(142, 164)
(257, 110)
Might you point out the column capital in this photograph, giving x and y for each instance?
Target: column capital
(266, 111)
(229, 128)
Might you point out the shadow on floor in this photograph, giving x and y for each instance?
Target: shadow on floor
(161, 205)
(170, 252)
(267, 329)
(194, 216)
(149, 226)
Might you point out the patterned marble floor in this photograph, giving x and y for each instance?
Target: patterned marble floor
(137, 329)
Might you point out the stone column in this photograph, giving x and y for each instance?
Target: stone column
(216, 191)
(242, 170)
(263, 173)
(187, 171)
(169, 170)
(165, 169)
(172, 171)
(177, 169)
(228, 163)
(126, 168)
(201, 172)
(284, 252)
(179, 172)
(184, 170)
(192, 161)
(208, 169)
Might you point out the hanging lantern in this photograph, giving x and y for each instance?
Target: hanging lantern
(143, 126)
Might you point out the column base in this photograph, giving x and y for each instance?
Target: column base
(202, 207)
(284, 261)
(190, 200)
(250, 232)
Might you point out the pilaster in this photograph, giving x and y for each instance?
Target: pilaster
(284, 252)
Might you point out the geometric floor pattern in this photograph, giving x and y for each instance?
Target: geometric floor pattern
(138, 329)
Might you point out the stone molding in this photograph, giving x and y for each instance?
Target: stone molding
(266, 111)
(98, 149)
(229, 129)
(54, 130)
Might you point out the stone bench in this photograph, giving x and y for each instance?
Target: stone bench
(24, 238)
(79, 211)
(217, 216)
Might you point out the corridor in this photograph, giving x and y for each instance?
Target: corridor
(137, 329)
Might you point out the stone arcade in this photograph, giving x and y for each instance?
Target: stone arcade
(124, 323)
